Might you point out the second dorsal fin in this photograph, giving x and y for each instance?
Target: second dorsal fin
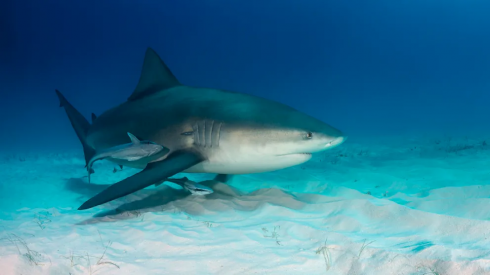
(155, 77)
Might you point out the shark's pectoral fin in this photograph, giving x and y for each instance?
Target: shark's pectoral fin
(153, 173)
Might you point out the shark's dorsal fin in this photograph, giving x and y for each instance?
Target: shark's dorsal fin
(94, 117)
(134, 139)
(155, 77)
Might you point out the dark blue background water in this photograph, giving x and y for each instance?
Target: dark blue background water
(367, 67)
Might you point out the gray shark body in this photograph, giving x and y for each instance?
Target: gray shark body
(205, 130)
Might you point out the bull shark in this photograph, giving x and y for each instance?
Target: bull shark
(206, 131)
(133, 151)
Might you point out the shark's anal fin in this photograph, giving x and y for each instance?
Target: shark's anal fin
(155, 77)
(158, 184)
(153, 173)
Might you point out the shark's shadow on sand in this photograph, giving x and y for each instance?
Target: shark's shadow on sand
(156, 200)
(148, 200)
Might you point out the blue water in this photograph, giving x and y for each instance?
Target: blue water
(407, 81)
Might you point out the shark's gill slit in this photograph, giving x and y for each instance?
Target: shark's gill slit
(219, 134)
(210, 139)
(197, 133)
(204, 135)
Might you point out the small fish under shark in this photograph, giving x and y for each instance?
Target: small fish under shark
(191, 186)
(133, 151)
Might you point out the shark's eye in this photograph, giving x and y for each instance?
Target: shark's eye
(309, 135)
(187, 133)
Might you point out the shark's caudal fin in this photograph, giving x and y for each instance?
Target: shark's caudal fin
(155, 77)
(79, 123)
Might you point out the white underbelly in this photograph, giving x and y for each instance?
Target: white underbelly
(232, 164)
(248, 165)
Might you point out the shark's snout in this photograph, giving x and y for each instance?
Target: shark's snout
(337, 141)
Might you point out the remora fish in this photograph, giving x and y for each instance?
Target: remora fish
(133, 151)
(191, 186)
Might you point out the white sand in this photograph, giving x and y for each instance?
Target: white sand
(400, 206)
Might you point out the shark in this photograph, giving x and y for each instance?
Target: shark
(205, 130)
(133, 151)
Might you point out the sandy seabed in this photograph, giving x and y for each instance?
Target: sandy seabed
(398, 206)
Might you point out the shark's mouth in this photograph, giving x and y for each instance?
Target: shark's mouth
(295, 154)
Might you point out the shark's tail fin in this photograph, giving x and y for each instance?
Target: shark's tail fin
(79, 123)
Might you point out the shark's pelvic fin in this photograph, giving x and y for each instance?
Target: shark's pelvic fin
(134, 139)
(153, 173)
(224, 178)
(79, 123)
(155, 77)
(94, 117)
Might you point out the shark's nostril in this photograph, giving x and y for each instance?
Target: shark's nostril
(335, 142)
(339, 140)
